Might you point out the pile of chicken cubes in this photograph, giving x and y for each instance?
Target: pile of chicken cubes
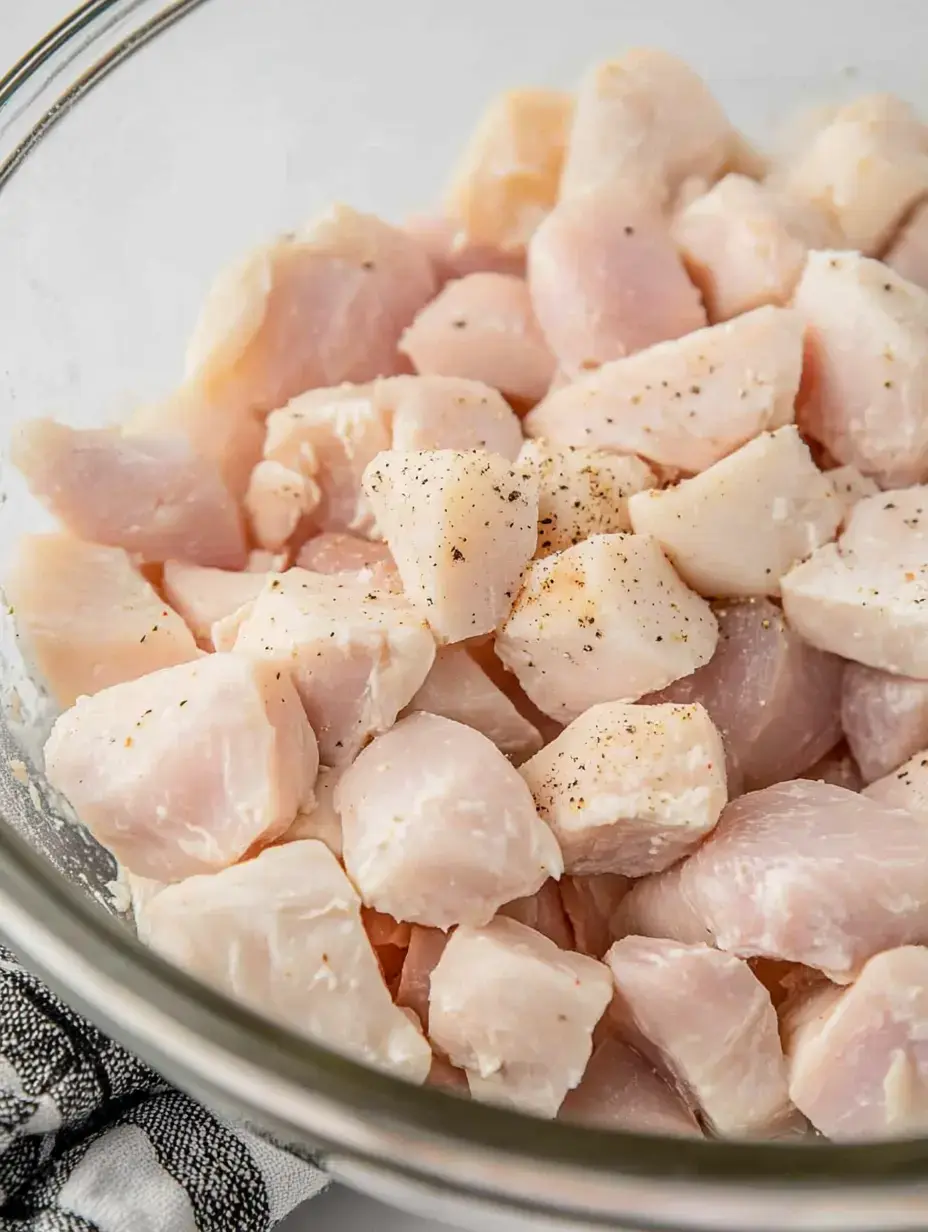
(505, 657)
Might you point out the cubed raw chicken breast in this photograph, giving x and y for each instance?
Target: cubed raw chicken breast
(450, 412)
(437, 826)
(357, 656)
(87, 619)
(607, 281)
(607, 620)
(581, 492)
(150, 495)
(801, 871)
(453, 256)
(203, 596)
(332, 552)
(516, 1014)
(905, 787)
(277, 502)
(182, 771)
(282, 933)
(908, 253)
(461, 527)
(320, 819)
(864, 597)
(590, 902)
(724, 1051)
(851, 486)
(622, 1091)
(323, 305)
(544, 912)
(458, 688)
(769, 494)
(426, 946)
(745, 245)
(630, 789)
(684, 404)
(858, 1058)
(837, 767)
(657, 907)
(644, 125)
(507, 178)
(865, 389)
(885, 718)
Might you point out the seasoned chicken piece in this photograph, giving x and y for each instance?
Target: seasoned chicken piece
(320, 819)
(864, 597)
(724, 1052)
(908, 253)
(450, 412)
(86, 619)
(688, 403)
(326, 304)
(885, 718)
(356, 656)
(905, 787)
(437, 826)
(453, 256)
(606, 620)
(630, 789)
(801, 871)
(277, 501)
(769, 494)
(461, 527)
(837, 767)
(865, 389)
(858, 1058)
(643, 126)
(203, 596)
(507, 178)
(590, 903)
(483, 327)
(426, 946)
(850, 486)
(607, 281)
(458, 688)
(182, 771)
(582, 492)
(282, 933)
(544, 912)
(150, 495)
(516, 1014)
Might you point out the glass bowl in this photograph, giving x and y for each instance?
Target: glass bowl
(143, 144)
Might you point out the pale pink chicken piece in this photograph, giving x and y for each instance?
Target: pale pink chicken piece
(86, 619)
(516, 1014)
(450, 412)
(607, 620)
(607, 281)
(203, 596)
(885, 718)
(837, 767)
(323, 305)
(356, 656)
(458, 688)
(590, 903)
(850, 486)
(801, 871)
(150, 495)
(630, 789)
(437, 826)
(684, 404)
(262, 561)
(483, 327)
(725, 1051)
(507, 178)
(319, 820)
(367, 561)
(769, 494)
(461, 527)
(858, 1058)
(282, 933)
(453, 257)
(905, 787)
(865, 388)
(544, 912)
(908, 253)
(277, 502)
(426, 946)
(182, 771)
(483, 651)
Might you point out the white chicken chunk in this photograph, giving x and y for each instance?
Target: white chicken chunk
(277, 501)
(203, 596)
(630, 789)
(684, 404)
(282, 934)
(438, 828)
(607, 620)
(357, 656)
(182, 771)
(884, 717)
(449, 412)
(769, 494)
(461, 528)
(908, 253)
(905, 787)
(516, 1014)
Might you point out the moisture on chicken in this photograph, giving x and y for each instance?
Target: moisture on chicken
(590, 902)
(884, 717)
(203, 596)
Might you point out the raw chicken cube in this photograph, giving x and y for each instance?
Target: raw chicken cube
(865, 389)
(277, 501)
(607, 620)
(507, 178)
(356, 656)
(450, 412)
(458, 688)
(87, 619)
(582, 492)
(453, 256)
(590, 904)
(203, 596)
(320, 819)
(724, 1052)
(885, 718)
(630, 789)
(908, 253)
(332, 552)
(150, 495)
(184, 770)
(516, 1014)
(461, 527)
(544, 912)
(283, 934)
(851, 486)
(607, 281)
(769, 494)
(688, 403)
(905, 787)
(426, 946)
(483, 327)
